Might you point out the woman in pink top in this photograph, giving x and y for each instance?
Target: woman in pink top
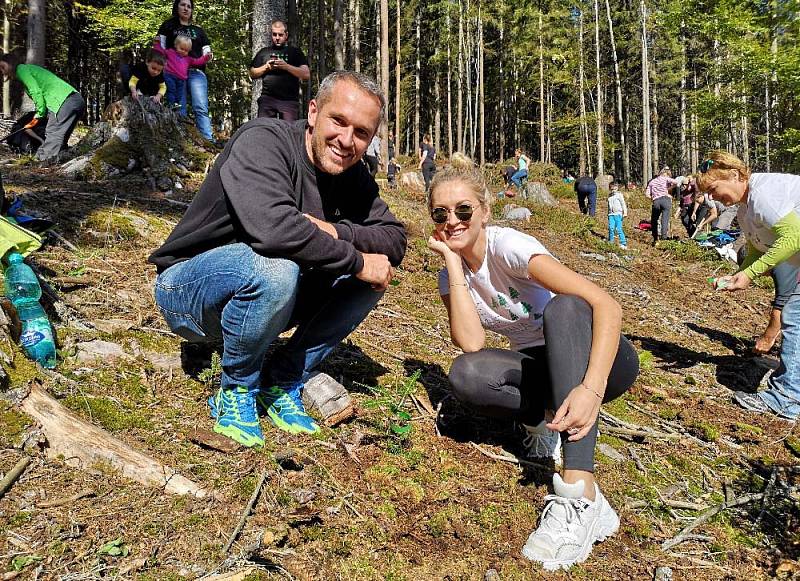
(658, 191)
(176, 70)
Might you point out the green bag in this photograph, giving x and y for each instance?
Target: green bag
(15, 236)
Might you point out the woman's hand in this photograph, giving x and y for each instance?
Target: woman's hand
(438, 245)
(738, 281)
(578, 413)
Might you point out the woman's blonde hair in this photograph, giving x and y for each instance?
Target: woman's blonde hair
(462, 169)
(718, 166)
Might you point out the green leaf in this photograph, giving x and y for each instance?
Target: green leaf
(115, 548)
(403, 415)
(19, 563)
(400, 430)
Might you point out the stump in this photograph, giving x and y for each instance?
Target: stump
(538, 193)
(329, 398)
(139, 136)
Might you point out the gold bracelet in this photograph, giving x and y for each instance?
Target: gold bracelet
(452, 284)
(593, 391)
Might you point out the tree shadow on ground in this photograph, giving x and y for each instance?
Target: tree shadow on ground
(742, 372)
(462, 425)
(778, 517)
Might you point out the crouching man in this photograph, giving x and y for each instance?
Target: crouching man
(287, 229)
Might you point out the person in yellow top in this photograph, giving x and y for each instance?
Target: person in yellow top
(147, 78)
(52, 96)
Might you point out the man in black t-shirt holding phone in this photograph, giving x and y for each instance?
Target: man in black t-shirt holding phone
(281, 68)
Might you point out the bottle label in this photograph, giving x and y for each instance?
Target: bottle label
(31, 337)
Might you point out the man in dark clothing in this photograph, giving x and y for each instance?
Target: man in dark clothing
(280, 68)
(287, 228)
(587, 192)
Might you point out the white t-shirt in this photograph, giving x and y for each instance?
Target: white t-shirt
(507, 300)
(772, 196)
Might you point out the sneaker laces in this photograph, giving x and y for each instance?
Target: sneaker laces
(563, 515)
(243, 404)
(541, 444)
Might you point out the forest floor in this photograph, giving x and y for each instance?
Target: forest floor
(371, 499)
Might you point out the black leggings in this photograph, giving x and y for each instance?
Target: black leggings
(522, 385)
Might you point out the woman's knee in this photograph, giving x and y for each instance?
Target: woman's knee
(566, 310)
(464, 376)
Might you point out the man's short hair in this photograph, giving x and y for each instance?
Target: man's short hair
(325, 90)
(276, 22)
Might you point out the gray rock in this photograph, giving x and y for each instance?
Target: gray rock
(164, 183)
(76, 168)
(163, 361)
(514, 212)
(91, 351)
(491, 575)
(112, 326)
(610, 452)
(538, 193)
(663, 574)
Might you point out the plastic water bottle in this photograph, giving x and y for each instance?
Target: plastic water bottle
(23, 290)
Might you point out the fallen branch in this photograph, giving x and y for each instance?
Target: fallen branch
(510, 458)
(248, 509)
(684, 534)
(606, 429)
(85, 445)
(67, 500)
(13, 475)
(636, 460)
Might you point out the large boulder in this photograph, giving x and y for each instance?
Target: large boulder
(538, 193)
(412, 180)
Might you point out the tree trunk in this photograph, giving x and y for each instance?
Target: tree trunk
(37, 30)
(264, 12)
(541, 91)
(460, 88)
(338, 34)
(480, 95)
(8, 7)
(585, 158)
(385, 78)
(626, 161)
(437, 110)
(357, 36)
(450, 88)
(549, 157)
(398, 115)
(501, 111)
(654, 131)
(601, 169)
(416, 85)
(684, 156)
(322, 69)
(646, 157)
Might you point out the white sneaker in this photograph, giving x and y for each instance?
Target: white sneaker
(569, 526)
(623, 246)
(542, 442)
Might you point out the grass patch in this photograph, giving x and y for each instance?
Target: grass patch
(12, 425)
(705, 431)
(109, 414)
(689, 251)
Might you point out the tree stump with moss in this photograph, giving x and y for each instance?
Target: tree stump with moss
(140, 136)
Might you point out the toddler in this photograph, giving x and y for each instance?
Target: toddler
(617, 210)
(176, 70)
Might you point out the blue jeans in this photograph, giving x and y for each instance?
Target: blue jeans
(784, 276)
(176, 92)
(246, 300)
(198, 89)
(615, 227)
(783, 387)
(587, 194)
(518, 176)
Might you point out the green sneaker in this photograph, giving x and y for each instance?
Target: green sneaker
(236, 416)
(285, 410)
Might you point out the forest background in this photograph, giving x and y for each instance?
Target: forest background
(613, 86)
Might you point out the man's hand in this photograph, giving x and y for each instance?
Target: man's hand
(377, 271)
(277, 63)
(32, 123)
(156, 98)
(738, 281)
(322, 225)
(135, 95)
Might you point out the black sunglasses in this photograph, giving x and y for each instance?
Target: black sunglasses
(706, 165)
(463, 212)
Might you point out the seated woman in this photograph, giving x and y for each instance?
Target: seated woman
(566, 358)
